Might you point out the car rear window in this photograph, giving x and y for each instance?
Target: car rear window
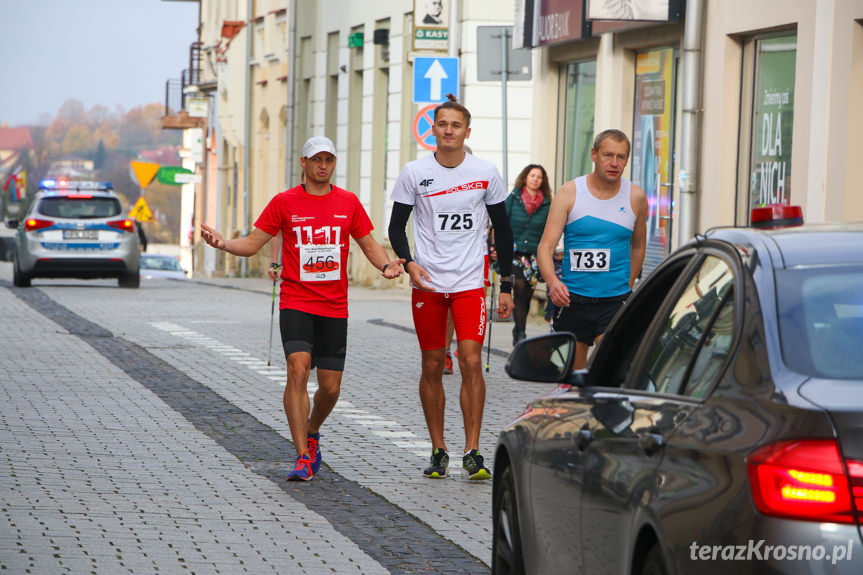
(821, 320)
(80, 207)
(155, 263)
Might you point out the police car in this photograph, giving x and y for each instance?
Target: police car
(717, 427)
(76, 230)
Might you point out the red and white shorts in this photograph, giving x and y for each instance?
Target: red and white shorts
(430, 310)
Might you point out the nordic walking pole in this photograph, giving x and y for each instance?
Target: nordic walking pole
(490, 322)
(272, 316)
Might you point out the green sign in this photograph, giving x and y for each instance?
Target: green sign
(355, 40)
(431, 39)
(167, 175)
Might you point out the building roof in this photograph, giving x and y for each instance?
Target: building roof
(15, 139)
(165, 156)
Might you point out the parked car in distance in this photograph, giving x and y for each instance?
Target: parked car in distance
(161, 266)
(718, 427)
(75, 230)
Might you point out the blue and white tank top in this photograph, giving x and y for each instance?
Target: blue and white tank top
(596, 242)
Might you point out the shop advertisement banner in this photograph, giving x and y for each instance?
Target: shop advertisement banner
(652, 144)
(773, 122)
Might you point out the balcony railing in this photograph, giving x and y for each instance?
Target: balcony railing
(176, 92)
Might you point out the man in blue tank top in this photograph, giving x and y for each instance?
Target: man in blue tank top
(602, 217)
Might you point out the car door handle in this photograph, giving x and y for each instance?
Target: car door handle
(583, 439)
(650, 443)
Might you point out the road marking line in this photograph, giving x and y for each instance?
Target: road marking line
(398, 436)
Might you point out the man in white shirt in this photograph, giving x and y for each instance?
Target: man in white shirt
(452, 195)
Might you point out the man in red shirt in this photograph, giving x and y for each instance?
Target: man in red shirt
(316, 220)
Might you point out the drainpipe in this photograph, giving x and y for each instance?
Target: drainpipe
(691, 123)
(454, 39)
(289, 120)
(247, 132)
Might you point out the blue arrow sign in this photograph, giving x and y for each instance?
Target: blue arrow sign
(434, 78)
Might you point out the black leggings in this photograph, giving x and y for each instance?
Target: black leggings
(521, 294)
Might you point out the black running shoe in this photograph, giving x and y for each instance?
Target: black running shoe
(472, 465)
(439, 461)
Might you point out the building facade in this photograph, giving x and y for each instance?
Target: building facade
(729, 105)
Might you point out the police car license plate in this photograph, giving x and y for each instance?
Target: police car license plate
(80, 234)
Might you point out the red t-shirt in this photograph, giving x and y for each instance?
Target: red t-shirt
(316, 233)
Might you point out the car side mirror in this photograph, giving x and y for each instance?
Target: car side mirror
(547, 358)
(12, 224)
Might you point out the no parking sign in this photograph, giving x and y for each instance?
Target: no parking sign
(423, 124)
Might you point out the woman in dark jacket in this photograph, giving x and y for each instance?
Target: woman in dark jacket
(527, 207)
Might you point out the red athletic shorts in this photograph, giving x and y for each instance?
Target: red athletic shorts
(430, 314)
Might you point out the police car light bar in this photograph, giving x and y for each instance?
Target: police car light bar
(64, 184)
(774, 216)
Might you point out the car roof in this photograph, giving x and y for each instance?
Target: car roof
(806, 245)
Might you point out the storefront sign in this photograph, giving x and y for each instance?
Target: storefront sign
(431, 25)
(559, 21)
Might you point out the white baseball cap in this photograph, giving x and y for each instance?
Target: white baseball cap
(318, 144)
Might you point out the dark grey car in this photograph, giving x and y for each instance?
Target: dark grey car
(718, 427)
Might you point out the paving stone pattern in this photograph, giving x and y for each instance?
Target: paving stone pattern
(206, 474)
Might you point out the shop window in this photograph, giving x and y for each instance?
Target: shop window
(652, 158)
(579, 106)
(767, 122)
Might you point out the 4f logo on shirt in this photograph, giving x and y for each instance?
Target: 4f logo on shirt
(427, 182)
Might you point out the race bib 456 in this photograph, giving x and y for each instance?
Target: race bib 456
(319, 262)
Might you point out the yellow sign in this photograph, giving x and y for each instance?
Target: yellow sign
(141, 211)
(144, 172)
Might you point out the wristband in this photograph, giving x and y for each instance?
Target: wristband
(505, 286)
(275, 265)
(384, 269)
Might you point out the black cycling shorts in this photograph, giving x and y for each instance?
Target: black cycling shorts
(326, 338)
(588, 317)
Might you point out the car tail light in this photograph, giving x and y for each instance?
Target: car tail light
(31, 224)
(806, 479)
(123, 225)
(855, 471)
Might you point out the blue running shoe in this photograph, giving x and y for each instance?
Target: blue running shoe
(303, 470)
(314, 445)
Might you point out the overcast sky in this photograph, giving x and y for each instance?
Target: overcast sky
(108, 52)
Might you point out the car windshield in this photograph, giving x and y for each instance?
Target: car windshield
(80, 207)
(821, 320)
(154, 263)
